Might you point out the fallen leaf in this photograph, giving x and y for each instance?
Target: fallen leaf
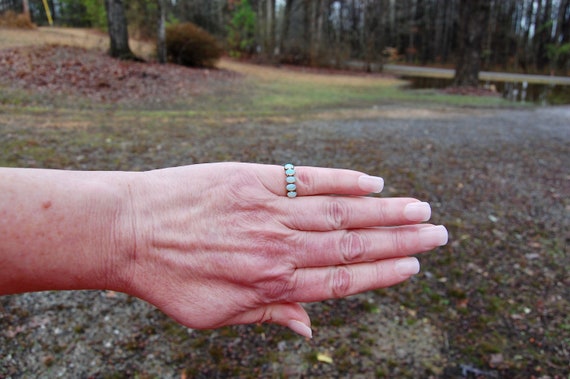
(324, 358)
(496, 360)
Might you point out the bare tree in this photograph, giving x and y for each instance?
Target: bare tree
(26, 9)
(161, 33)
(285, 25)
(118, 33)
(473, 15)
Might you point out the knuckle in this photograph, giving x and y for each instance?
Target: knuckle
(277, 290)
(399, 241)
(353, 247)
(275, 284)
(269, 243)
(337, 214)
(265, 316)
(341, 281)
(382, 212)
(247, 197)
(306, 181)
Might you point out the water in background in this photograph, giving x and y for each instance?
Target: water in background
(543, 94)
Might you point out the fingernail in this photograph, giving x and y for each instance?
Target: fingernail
(371, 184)
(407, 266)
(300, 328)
(432, 236)
(418, 212)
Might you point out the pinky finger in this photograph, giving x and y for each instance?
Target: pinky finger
(291, 315)
(317, 284)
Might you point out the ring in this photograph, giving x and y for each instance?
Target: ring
(291, 187)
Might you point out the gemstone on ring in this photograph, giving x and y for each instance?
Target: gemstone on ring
(291, 187)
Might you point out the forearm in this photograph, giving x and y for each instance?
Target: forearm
(60, 230)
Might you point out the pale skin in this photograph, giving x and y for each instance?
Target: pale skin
(211, 244)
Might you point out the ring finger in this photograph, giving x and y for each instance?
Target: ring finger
(317, 284)
(312, 181)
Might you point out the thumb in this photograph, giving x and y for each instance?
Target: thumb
(291, 315)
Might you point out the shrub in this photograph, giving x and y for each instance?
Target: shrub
(189, 45)
(11, 19)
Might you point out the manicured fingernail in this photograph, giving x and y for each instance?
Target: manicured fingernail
(418, 212)
(407, 266)
(300, 328)
(371, 184)
(432, 236)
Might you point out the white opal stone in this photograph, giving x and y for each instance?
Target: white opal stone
(290, 172)
(291, 179)
(291, 187)
(291, 194)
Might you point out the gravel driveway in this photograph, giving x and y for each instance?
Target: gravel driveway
(499, 179)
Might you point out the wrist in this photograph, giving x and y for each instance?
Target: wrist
(121, 230)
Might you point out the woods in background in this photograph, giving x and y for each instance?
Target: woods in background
(513, 35)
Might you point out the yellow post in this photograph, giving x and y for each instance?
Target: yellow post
(48, 13)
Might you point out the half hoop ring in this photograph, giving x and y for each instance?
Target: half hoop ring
(290, 179)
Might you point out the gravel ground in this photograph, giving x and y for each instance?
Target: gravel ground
(495, 299)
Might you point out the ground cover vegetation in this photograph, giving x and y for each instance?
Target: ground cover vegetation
(493, 303)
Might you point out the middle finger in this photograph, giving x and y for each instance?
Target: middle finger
(345, 247)
(325, 213)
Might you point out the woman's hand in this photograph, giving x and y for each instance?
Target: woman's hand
(220, 244)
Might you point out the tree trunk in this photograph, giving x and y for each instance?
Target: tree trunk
(473, 15)
(319, 9)
(561, 36)
(26, 9)
(307, 30)
(260, 28)
(285, 26)
(312, 16)
(270, 30)
(161, 35)
(118, 33)
(544, 34)
(448, 29)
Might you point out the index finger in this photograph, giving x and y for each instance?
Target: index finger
(312, 181)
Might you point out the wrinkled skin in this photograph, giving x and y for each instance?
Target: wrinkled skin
(220, 244)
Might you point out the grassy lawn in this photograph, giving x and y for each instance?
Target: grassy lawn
(261, 91)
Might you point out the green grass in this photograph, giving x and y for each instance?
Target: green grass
(262, 92)
(286, 97)
(280, 92)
